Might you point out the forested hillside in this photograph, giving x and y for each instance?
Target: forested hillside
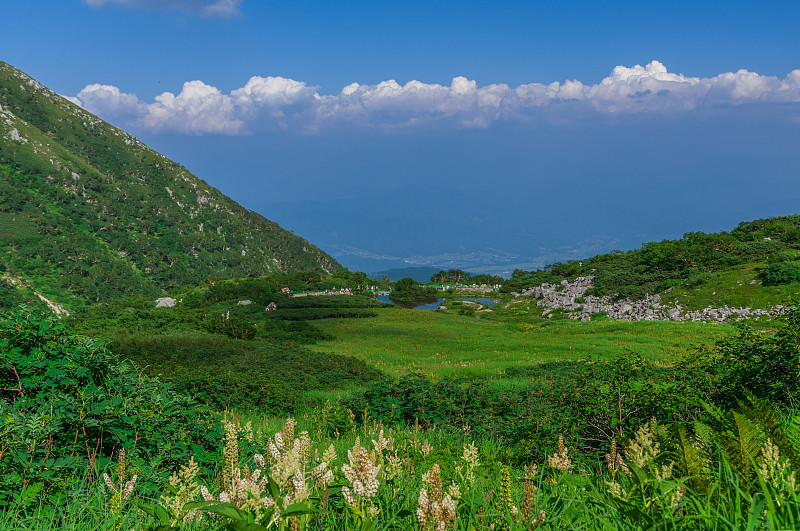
(89, 213)
(761, 252)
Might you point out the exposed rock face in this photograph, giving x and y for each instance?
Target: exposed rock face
(165, 302)
(650, 308)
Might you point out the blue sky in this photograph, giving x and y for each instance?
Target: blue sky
(649, 119)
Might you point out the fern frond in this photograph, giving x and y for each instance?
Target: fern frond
(771, 421)
(715, 416)
(741, 442)
(791, 429)
(691, 458)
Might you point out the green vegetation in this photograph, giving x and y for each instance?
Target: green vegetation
(442, 344)
(781, 273)
(412, 458)
(239, 343)
(129, 415)
(68, 404)
(689, 262)
(408, 289)
(89, 214)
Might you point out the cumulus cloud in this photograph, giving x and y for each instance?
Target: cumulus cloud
(278, 103)
(207, 8)
(108, 101)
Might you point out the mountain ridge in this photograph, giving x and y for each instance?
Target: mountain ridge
(88, 212)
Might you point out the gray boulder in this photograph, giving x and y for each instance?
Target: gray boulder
(165, 302)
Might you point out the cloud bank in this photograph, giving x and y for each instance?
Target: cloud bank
(277, 103)
(206, 8)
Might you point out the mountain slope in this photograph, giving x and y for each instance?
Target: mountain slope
(88, 213)
(755, 265)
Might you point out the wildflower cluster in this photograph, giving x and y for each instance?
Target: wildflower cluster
(471, 461)
(776, 470)
(183, 491)
(643, 449)
(123, 488)
(614, 460)
(362, 473)
(528, 505)
(506, 501)
(435, 509)
(560, 460)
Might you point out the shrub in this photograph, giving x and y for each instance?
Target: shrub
(66, 402)
(767, 364)
(238, 374)
(781, 273)
(408, 289)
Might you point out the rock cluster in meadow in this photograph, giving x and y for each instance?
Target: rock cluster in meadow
(572, 298)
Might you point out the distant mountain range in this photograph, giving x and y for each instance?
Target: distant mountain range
(89, 213)
(420, 274)
(416, 226)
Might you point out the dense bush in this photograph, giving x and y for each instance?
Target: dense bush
(591, 402)
(338, 301)
(66, 402)
(310, 314)
(229, 373)
(764, 363)
(781, 273)
(408, 289)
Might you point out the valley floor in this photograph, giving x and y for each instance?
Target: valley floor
(446, 344)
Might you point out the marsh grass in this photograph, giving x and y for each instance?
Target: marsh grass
(442, 344)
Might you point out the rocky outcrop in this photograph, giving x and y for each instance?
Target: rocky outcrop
(165, 302)
(571, 297)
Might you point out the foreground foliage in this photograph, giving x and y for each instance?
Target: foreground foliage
(87, 441)
(67, 404)
(374, 477)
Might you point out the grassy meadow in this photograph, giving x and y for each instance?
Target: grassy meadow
(446, 344)
(736, 287)
(233, 417)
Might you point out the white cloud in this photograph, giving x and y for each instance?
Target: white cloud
(269, 103)
(197, 109)
(108, 101)
(207, 8)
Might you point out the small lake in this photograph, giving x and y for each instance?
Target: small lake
(432, 305)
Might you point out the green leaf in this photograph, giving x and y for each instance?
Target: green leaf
(148, 509)
(273, 488)
(197, 505)
(641, 475)
(244, 526)
(162, 515)
(227, 510)
(297, 509)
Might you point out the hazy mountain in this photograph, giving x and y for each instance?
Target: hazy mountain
(441, 228)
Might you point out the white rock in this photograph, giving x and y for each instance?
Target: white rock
(165, 302)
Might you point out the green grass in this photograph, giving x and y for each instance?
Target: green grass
(737, 287)
(439, 344)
